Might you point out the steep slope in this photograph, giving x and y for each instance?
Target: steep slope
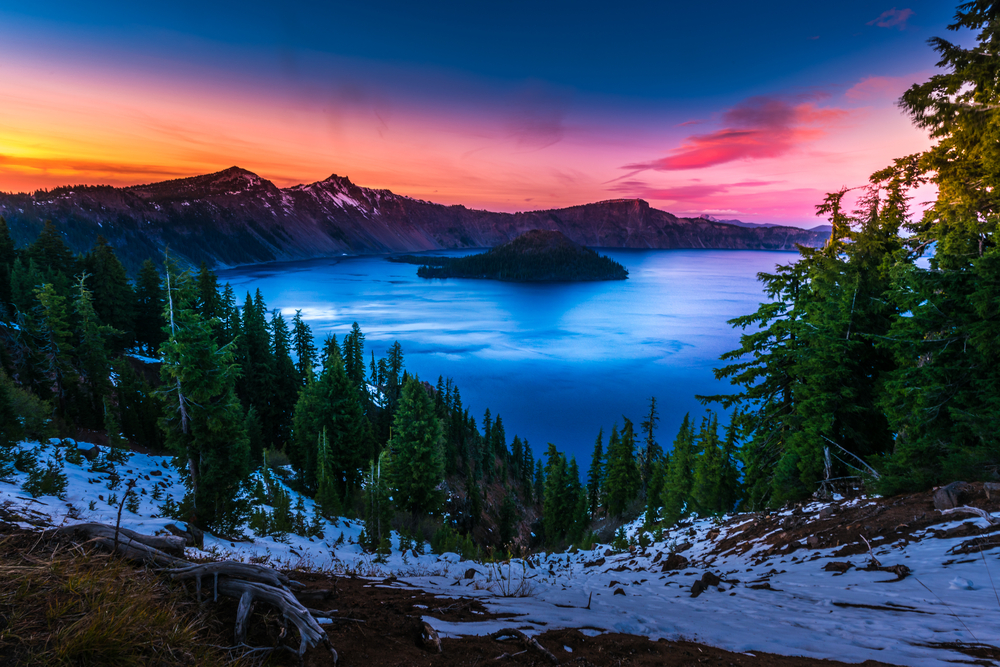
(235, 217)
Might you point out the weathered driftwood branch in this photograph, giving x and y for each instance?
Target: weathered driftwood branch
(167, 543)
(529, 642)
(247, 592)
(983, 514)
(234, 570)
(131, 545)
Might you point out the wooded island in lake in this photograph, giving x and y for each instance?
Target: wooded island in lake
(535, 256)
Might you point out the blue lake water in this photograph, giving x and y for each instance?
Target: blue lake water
(557, 361)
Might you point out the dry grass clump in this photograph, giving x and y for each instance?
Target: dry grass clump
(62, 605)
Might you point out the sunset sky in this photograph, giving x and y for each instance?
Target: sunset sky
(738, 109)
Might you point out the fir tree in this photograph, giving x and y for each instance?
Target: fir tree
(417, 452)
(56, 349)
(203, 420)
(7, 258)
(114, 299)
(354, 358)
(706, 489)
(595, 475)
(621, 472)
(330, 402)
(92, 358)
(149, 308)
(285, 384)
(651, 450)
(679, 479)
(302, 342)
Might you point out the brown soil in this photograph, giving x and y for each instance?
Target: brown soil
(391, 635)
(390, 631)
(881, 521)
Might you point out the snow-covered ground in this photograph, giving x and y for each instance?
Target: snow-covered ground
(806, 610)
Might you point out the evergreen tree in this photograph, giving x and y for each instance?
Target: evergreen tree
(150, 302)
(622, 472)
(679, 479)
(330, 403)
(354, 358)
(56, 349)
(595, 475)
(7, 257)
(255, 384)
(91, 358)
(24, 280)
(417, 452)
(209, 305)
(114, 299)
(942, 400)
(651, 451)
(203, 422)
(53, 259)
(139, 411)
(285, 384)
(539, 482)
(302, 342)
(706, 489)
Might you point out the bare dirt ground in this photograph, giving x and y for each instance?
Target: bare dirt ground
(378, 626)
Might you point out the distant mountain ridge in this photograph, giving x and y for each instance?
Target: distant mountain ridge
(235, 217)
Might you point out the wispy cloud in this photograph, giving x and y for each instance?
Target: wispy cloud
(757, 128)
(892, 18)
(876, 87)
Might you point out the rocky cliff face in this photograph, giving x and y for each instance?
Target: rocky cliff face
(235, 217)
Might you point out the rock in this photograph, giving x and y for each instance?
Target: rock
(89, 451)
(710, 579)
(813, 542)
(839, 567)
(155, 473)
(470, 573)
(826, 513)
(619, 591)
(948, 497)
(608, 552)
(697, 588)
(991, 487)
(659, 555)
(684, 546)
(674, 562)
(595, 563)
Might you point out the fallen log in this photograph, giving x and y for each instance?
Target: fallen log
(131, 545)
(170, 544)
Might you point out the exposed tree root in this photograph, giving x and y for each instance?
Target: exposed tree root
(529, 642)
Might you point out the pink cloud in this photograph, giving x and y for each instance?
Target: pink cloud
(758, 128)
(892, 18)
(875, 87)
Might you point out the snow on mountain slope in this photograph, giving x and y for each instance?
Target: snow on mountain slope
(780, 597)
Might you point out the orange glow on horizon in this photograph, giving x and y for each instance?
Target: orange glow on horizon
(68, 126)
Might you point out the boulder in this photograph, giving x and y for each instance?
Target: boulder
(950, 496)
(674, 562)
(89, 451)
(710, 579)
